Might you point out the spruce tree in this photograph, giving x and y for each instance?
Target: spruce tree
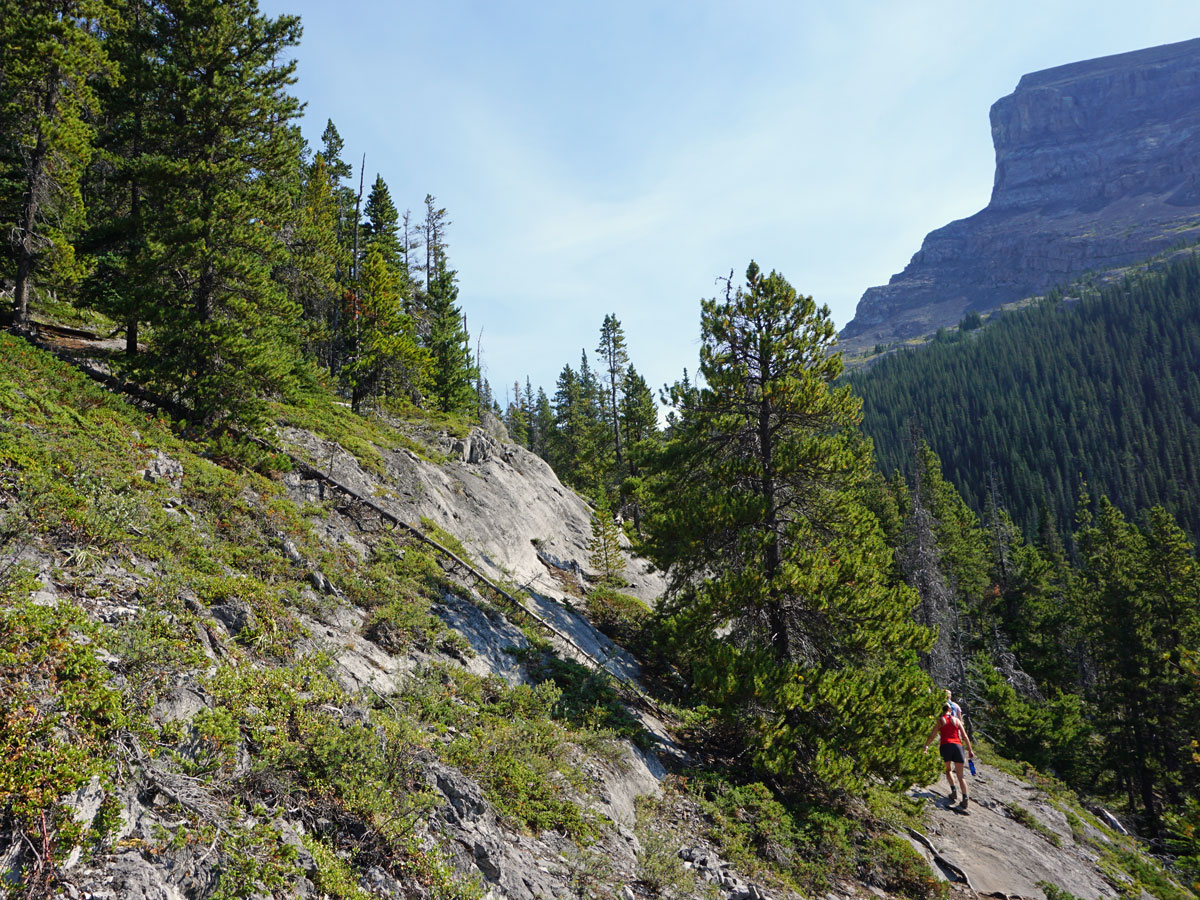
(381, 227)
(448, 343)
(217, 199)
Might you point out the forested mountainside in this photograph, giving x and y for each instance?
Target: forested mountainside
(1095, 386)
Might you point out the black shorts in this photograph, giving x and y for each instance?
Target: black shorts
(952, 753)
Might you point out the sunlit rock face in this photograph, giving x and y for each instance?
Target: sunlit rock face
(1097, 165)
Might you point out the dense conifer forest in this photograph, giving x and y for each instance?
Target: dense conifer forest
(1096, 387)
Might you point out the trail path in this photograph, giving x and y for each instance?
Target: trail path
(996, 854)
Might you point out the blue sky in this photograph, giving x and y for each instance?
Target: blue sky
(620, 156)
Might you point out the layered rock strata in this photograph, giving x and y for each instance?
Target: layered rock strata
(1097, 165)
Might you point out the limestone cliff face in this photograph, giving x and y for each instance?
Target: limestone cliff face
(1097, 165)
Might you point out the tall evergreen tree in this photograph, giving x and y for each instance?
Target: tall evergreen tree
(52, 56)
(218, 187)
(121, 282)
(385, 358)
(787, 617)
(381, 227)
(615, 358)
(543, 426)
(529, 404)
(516, 417)
(340, 172)
(449, 347)
(639, 421)
(310, 273)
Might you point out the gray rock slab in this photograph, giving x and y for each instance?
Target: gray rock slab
(360, 664)
(490, 635)
(502, 501)
(1001, 857)
(587, 638)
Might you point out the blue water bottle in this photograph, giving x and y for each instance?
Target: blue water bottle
(971, 763)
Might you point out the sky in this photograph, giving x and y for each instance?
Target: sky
(620, 157)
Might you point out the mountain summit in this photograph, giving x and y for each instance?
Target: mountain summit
(1096, 166)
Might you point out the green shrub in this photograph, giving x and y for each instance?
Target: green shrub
(618, 615)
(58, 716)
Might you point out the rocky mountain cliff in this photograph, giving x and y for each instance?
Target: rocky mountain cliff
(1097, 165)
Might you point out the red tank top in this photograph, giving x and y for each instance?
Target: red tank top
(948, 730)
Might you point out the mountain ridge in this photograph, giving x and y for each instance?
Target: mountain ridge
(1096, 166)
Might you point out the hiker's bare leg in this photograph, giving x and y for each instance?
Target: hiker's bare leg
(949, 777)
(958, 770)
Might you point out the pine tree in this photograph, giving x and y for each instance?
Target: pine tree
(217, 200)
(780, 590)
(52, 57)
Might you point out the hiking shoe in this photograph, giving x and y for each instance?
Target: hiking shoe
(953, 795)
(963, 805)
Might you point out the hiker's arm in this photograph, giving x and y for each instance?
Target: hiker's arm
(962, 730)
(932, 732)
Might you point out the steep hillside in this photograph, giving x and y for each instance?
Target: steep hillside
(1096, 166)
(1100, 386)
(217, 684)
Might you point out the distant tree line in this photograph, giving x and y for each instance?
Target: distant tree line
(152, 169)
(597, 427)
(1104, 391)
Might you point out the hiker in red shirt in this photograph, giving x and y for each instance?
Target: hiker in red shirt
(952, 736)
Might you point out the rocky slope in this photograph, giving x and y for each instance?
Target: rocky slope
(1097, 165)
(215, 684)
